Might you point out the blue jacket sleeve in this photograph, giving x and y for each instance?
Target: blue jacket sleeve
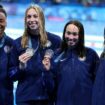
(14, 71)
(48, 79)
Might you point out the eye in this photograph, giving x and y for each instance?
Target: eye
(75, 33)
(28, 16)
(68, 32)
(35, 16)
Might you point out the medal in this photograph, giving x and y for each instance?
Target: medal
(49, 53)
(30, 51)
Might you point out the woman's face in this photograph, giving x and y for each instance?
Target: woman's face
(72, 35)
(3, 23)
(32, 19)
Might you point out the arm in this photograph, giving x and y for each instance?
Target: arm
(48, 75)
(17, 57)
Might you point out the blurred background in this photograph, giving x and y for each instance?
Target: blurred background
(57, 12)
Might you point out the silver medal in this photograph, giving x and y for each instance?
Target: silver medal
(30, 51)
(49, 52)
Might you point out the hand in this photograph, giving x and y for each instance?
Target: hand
(46, 62)
(24, 57)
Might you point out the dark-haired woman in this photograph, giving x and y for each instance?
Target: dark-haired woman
(75, 67)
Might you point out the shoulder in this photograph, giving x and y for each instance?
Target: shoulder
(18, 39)
(91, 52)
(102, 61)
(52, 36)
(17, 42)
(9, 40)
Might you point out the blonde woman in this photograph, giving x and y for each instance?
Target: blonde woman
(25, 64)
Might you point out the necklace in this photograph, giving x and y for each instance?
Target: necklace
(31, 51)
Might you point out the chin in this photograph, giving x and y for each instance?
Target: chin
(70, 44)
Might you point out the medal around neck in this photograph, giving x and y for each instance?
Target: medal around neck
(30, 51)
(49, 53)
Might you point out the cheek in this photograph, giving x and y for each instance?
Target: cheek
(66, 36)
(36, 19)
(28, 22)
(77, 37)
(5, 24)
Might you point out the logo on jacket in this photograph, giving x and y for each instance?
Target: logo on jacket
(7, 49)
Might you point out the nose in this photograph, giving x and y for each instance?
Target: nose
(32, 18)
(70, 36)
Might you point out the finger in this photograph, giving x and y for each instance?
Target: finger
(24, 57)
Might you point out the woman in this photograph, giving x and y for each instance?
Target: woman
(74, 66)
(27, 54)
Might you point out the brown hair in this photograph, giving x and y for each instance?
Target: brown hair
(42, 31)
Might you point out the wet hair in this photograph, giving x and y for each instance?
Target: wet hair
(42, 31)
(80, 47)
(103, 53)
(3, 10)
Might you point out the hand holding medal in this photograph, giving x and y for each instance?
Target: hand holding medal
(46, 60)
(25, 57)
(30, 51)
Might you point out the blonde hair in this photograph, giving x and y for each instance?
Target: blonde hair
(42, 31)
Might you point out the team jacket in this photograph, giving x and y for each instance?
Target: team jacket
(99, 86)
(6, 85)
(75, 77)
(32, 80)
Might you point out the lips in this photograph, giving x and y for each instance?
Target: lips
(33, 25)
(71, 43)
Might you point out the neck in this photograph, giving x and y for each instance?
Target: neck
(33, 32)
